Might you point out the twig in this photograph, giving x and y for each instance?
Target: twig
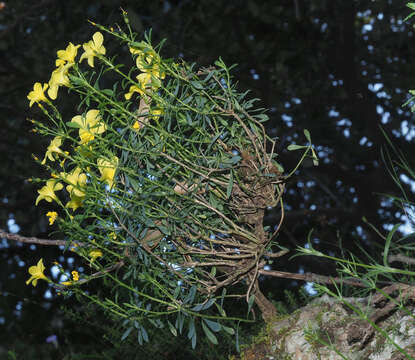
(401, 258)
(310, 277)
(34, 240)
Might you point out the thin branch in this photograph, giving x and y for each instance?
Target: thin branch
(401, 258)
(310, 277)
(34, 240)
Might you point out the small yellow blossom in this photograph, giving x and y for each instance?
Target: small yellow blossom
(66, 283)
(77, 182)
(75, 202)
(143, 80)
(107, 169)
(148, 61)
(68, 55)
(136, 125)
(92, 48)
(75, 275)
(94, 254)
(90, 125)
(37, 94)
(53, 148)
(52, 215)
(58, 78)
(113, 235)
(48, 191)
(37, 273)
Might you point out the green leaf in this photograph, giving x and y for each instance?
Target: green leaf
(229, 330)
(126, 333)
(172, 328)
(191, 296)
(212, 338)
(176, 292)
(192, 329)
(144, 334)
(295, 147)
(73, 125)
(307, 135)
(262, 117)
(411, 5)
(197, 85)
(214, 326)
(108, 92)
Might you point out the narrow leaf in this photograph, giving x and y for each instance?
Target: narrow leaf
(295, 147)
(172, 328)
(214, 326)
(307, 135)
(212, 338)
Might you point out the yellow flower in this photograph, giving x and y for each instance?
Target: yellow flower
(136, 125)
(52, 215)
(75, 202)
(90, 125)
(66, 283)
(144, 80)
(58, 78)
(94, 254)
(37, 273)
(75, 275)
(92, 48)
(77, 182)
(37, 94)
(48, 191)
(148, 61)
(53, 148)
(113, 235)
(68, 55)
(107, 169)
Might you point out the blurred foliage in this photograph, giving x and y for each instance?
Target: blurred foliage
(338, 68)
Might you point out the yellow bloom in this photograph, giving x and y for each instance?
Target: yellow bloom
(143, 80)
(58, 78)
(75, 275)
(68, 55)
(66, 283)
(136, 125)
(94, 254)
(107, 169)
(77, 182)
(53, 148)
(37, 94)
(148, 61)
(75, 202)
(37, 273)
(90, 125)
(48, 191)
(113, 235)
(52, 215)
(92, 48)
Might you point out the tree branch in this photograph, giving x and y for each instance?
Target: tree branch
(34, 240)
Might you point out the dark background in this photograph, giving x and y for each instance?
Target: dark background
(338, 68)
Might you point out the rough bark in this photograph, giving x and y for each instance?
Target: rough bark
(327, 327)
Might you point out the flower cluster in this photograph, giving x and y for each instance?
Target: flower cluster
(90, 161)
